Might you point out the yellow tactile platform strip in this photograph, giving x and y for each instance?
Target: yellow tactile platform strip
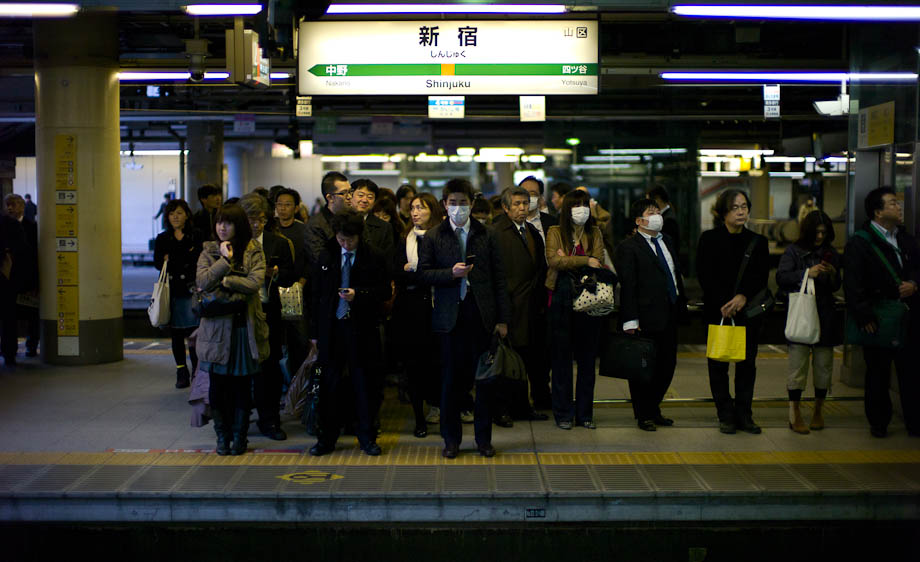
(431, 456)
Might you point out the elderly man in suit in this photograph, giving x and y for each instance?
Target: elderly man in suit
(461, 260)
(535, 214)
(651, 303)
(350, 282)
(524, 260)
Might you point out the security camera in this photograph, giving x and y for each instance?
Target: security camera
(839, 106)
(196, 50)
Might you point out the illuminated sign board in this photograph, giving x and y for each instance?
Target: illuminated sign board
(442, 57)
(445, 107)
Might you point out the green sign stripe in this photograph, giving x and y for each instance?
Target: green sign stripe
(539, 69)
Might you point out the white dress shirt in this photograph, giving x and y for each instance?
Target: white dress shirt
(890, 237)
(634, 324)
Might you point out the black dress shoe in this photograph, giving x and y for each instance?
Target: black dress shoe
(273, 432)
(321, 449)
(564, 424)
(504, 421)
(421, 431)
(661, 420)
(183, 377)
(451, 450)
(534, 415)
(372, 449)
(727, 427)
(647, 425)
(879, 432)
(750, 427)
(487, 450)
(587, 424)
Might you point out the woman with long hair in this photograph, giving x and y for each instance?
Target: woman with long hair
(385, 210)
(233, 336)
(412, 311)
(576, 242)
(813, 253)
(178, 247)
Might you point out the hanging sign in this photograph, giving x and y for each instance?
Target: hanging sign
(448, 57)
(771, 101)
(533, 108)
(445, 107)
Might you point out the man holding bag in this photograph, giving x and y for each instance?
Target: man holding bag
(813, 258)
(882, 264)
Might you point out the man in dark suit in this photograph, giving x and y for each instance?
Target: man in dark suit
(461, 260)
(377, 232)
(524, 261)
(866, 282)
(279, 272)
(659, 195)
(13, 267)
(210, 196)
(31, 210)
(350, 282)
(535, 215)
(651, 302)
(337, 193)
(27, 272)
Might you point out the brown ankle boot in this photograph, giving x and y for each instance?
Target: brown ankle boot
(796, 423)
(817, 418)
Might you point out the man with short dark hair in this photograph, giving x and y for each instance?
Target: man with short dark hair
(524, 260)
(870, 279)
(461, 260)
(17, 265)
(558, 191)
(652, 299)
(535, 214)
(337, 193)
(659, 195)
(210, 196)
(31, 210)
(286, 203)
(349, 284)
(377, 232)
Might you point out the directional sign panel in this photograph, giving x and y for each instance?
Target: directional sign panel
(448, 57)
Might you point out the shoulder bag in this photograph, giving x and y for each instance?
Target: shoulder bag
(629, 357)
(158, 311)
(891, 314)
(763, 301)
(802, 323)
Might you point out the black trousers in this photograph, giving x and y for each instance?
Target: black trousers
(579, 345)
(29, 314)
(295, 339)
(8, 323)
(346, 357)
(739, 409)
(266, 386)
(412, 321)
(647, 397)
(230, 393)
(878, 380)
(460, 351)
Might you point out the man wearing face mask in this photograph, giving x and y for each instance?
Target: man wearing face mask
(651, 302)
(535, 215)
(461, 260)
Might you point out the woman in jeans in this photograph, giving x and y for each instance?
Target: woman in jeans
(412, 311)
(232, 343)
(813, 253)
(719, 258)
(571, 245)
(179, 246)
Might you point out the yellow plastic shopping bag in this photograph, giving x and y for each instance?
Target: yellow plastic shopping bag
(726, 343)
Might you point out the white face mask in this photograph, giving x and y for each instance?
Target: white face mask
(580, 215)
(459, 214)
(655, 222)
(534, 203)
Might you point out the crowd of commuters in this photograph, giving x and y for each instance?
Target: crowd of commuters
(417, 281)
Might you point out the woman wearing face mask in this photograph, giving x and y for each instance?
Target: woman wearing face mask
(719, 258)
(812, 253)
(232, 342)
(575, 243)
(412, 311)
(178, 246)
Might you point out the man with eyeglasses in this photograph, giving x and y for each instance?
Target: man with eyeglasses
(337, 193)
(882, 263)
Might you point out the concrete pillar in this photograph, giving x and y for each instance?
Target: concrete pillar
(79, 189)
(236, 173)
(205, 160)
(504, 176)
(760, 196)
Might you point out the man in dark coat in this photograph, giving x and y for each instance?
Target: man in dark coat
(659, 194)
(12, 259)
(210, 196)
(652, 299)
(524, 261)
(349, 283)
(866, 282)
(31, 210)
(377, 232)
(461, 260)
(337, 193)
(535, 215)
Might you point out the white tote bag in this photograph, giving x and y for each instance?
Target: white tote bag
(802, 324)
(158, 311)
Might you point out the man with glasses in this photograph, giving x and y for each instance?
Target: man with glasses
(868, 281)
(337, 193)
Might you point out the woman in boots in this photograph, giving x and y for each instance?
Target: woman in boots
(233, 336)
(812, 252)
(178, 247)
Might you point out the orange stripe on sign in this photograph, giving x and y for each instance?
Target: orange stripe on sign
(447, 70)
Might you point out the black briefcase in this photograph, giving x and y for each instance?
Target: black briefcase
(628, 357)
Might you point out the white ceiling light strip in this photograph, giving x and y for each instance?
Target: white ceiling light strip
(23, 10)
(445, 9)
(813, 12)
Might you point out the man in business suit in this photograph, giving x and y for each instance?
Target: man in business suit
(524, 260)
(461, 260)
(651, 302)
(535, 214)
(349, 282)
(659, 195)
(279, 272)
(337, 193)
(377, 232)
(27, 299)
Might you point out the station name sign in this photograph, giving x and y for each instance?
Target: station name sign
(442, 57)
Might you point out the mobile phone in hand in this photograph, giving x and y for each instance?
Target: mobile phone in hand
(470, 259)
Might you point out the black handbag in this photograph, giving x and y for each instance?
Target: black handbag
(760, 303)
(629, 357)
(500, 361)
(212, 304)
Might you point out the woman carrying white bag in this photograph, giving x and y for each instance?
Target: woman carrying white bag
(810, 330)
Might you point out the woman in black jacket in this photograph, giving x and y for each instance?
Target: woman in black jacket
(181, 244)
(812, 252)
(719, 258)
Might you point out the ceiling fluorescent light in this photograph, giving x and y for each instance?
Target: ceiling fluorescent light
(446, 9)
(23, 10)
(797, 175)
(151, 152)
(500, 152)
(742, 152)
(706, 174)
(279, 75)
(775, 77)
(466, 151)
(643, 151)
(363, 158)
(614, 158)
(146, 76)
(837, 13)
(790, 159)
(223, 9)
